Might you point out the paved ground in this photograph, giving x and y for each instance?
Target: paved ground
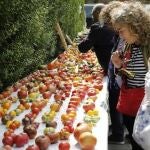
(126, 146)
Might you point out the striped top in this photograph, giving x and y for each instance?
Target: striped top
(137, 66)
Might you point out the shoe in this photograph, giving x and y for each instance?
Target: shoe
(115, 140)
(127, 138)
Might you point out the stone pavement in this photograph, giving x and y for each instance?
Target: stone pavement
(126, 146)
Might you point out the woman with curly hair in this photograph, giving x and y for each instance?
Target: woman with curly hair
(133, 25)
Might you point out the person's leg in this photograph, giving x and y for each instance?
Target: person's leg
(115, 116)
(129, 123)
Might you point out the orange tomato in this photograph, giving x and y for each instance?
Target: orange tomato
(17, 123)
(6, 105)
(55, 107)
(64, 117)
(12, 126)
(72, 115)
(21, 107)
(27, 105)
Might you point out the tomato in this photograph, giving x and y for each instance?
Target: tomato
(87, 140)
(91, 92)
(55, 107)
(64, 146)
(21, 139)
(88, 78)
(57, 97)
(73, 102)
(64, 117)
(50, 66)
(35, 110)
(13, 126)
(70, 110)
(27, 105)
(7, 133)
(66, 128)
(69, 128)
(21, 107)
(17, 123)
(8, 140)
(88, 106)
(12, 113)
(72, 115)
(22, 94)
(98, 86)
(6, 105)
(7, 147)
(1, 96)
(72, 106)
(46, 95)
(5, 94)
(42, 88)
(32, 147)
(81, 127)
(68, 123)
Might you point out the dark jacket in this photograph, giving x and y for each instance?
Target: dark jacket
(101, 40)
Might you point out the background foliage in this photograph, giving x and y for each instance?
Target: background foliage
(27, 33)
(106, 1)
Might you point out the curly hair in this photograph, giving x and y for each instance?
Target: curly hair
(137, 19)
(105, 16)
(135, 16)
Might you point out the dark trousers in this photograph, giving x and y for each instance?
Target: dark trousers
(115, 116)
(129, 123)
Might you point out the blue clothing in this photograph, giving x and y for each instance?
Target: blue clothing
(111, 73)
(114, 90)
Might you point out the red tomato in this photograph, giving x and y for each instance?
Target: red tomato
(35, 110)
(68, 123)
(42, 88)
(91, 92)
(22, 94)
(69, 128)
(7, 133)
(8, 140)
(47, 95)
(88, 106)
(72, 106)
(32, 147)
(21, 139)
(76, 103)
(64, 146)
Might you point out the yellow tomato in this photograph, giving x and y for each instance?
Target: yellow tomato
(12, 113)
(90, 113)
(96, 112)
(8, 123)
(72, 115)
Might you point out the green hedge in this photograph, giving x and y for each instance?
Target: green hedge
(27, 34)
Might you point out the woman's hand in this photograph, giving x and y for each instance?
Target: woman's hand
(116, 60)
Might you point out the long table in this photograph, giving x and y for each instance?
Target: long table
(100, 130)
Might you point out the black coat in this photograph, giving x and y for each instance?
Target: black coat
(101, 39)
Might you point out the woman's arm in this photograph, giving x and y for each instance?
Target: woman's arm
(116, 60)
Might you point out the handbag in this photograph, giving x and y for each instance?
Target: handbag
(141, 129)
(130, 100)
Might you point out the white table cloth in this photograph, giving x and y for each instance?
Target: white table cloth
(100, 130)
